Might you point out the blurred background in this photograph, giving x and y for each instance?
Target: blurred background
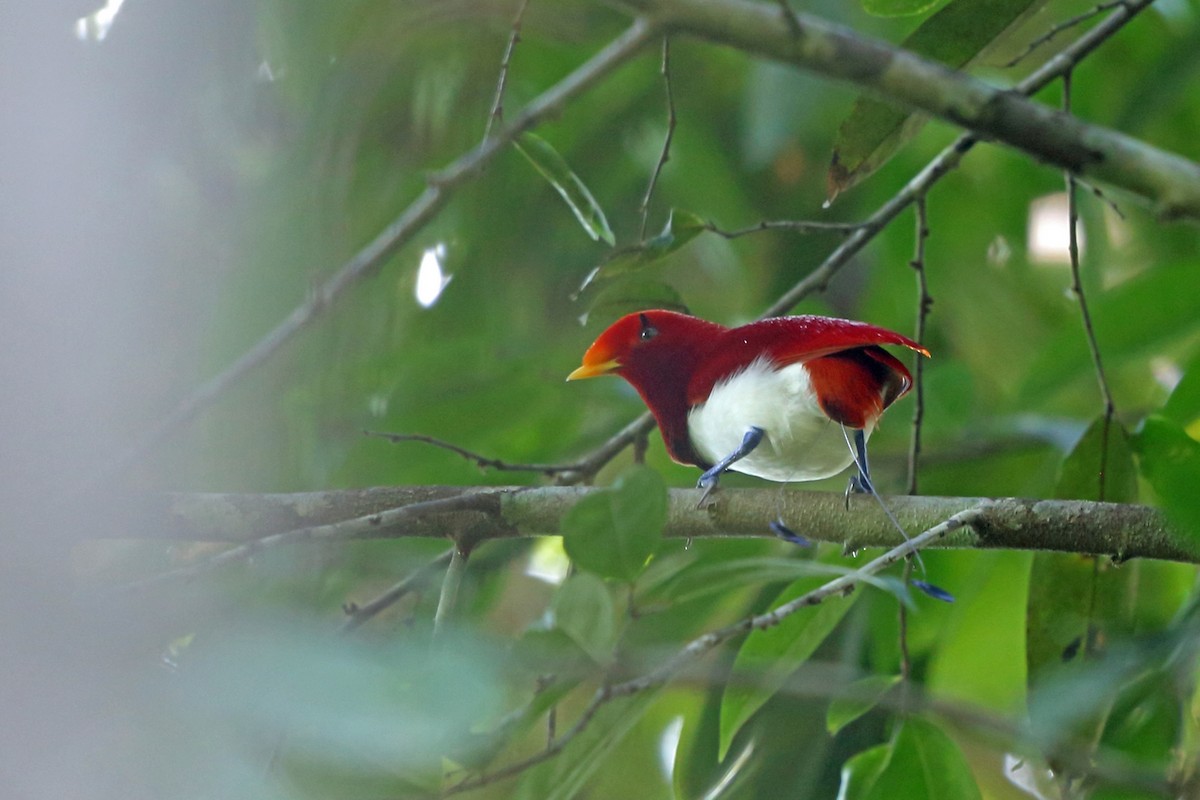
(176, 177)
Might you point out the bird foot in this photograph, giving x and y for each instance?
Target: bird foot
(708, 482)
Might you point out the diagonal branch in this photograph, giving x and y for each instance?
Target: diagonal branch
(1169, 181)
(368, 260)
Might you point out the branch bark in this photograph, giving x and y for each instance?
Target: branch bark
(1118, 530)
(1169, 181)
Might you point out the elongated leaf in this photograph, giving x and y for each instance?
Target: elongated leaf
(554, 168)
(1100, 467)
(955, 36)
(861, 772)
(768, 657)
(612, 533)
(926, 763)
(861, 697)
(714, 578)
(583, 609)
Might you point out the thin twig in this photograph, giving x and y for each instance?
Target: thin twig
(1109, 407)
(796, 225)
(371, 258)
(1063, 26)
(356, 615)
(497, 113)
(665, 155)
(1102, 197)
(701, 645)
(924, 303)
(482, 461)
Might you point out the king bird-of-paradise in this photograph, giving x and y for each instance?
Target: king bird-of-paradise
(786, 398)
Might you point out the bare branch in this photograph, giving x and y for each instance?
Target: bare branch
(796, 225)
(1171, 183)
(497, 114)
(924, 303)
(482, 461)
(665, 155)
(368, 260)
(1121, 530)
(1065, 25)
(356, 615)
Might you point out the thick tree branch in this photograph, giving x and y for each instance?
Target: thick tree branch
(1122, 531)
(1170, 182)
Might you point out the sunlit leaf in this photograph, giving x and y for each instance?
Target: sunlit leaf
(768, 657)
(955, 36)
(861, 697)
(554, 168)
(583, 609)
(1183, 406)
(613, 532)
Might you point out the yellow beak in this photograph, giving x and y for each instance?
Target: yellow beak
(594, 370)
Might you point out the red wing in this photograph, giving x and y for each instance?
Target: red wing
(803, 338)
(791, 340)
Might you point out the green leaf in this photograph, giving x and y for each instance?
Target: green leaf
(1100, 466)
(861, 697)
(583, 610)
(1170, 460)
(897, 8)
(927, 763)
(768, 657)
(1076, 604)
(554, 168)
(565, 775)
(955, 36)
(612, 533)
(1183, 406)
(681, 228)
(862, 772)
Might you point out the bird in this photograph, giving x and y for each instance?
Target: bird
(791, 398)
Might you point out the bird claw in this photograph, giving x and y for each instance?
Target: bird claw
(708, 482)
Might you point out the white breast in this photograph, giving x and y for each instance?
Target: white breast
(801, 443)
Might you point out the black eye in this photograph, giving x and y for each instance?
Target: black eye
(648, 330)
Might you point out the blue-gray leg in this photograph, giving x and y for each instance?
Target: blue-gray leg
(708, 481)
(861, 482)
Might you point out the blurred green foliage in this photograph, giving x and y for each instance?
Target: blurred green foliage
(365, 98)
